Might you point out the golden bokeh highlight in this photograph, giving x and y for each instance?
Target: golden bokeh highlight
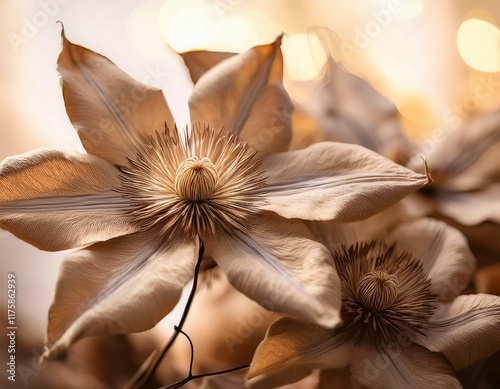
(478, 43)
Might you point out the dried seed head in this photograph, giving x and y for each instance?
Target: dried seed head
(196, 179)
(385, 295)
(377, 290)
(207, 182)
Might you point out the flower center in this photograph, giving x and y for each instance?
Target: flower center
(201, 184)
(385, 294)
(377, 290)
(196, 179)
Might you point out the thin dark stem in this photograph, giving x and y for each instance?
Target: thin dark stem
(191, 377)
(191, 346)
(148, 368)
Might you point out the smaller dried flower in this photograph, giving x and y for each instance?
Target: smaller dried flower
(403, 324)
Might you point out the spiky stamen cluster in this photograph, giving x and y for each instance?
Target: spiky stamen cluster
(206, 182)
(385, 295)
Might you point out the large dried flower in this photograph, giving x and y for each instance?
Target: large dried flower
(144, 196)
(404, 325)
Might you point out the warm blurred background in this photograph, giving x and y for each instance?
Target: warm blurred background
(438, 61)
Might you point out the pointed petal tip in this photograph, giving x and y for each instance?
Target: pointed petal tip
(279, 39)
(427, 172)
(63, 35)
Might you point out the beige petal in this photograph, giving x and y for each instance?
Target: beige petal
(471, 208)
(201, 61)
(245, 94)
(109, 109)
(462, 147)
(408, 366)
(484, 239)
(55, 201)
(350, 110)
(465, 330)
(485, 171)
(124, 285)
(293, 348)
(282, 268)
(337, 234)
(443, 252)
(335, 181)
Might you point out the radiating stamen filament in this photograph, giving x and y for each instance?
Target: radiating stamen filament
(207, 182)
(385, 294)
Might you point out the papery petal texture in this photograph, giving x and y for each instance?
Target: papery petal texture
(465, 145)
(402, 366)
(281, 267)
(199, 62)
(292, 349)
(443, 252)
(245, 94)
(465, 330)
(471, 208)
(109, 109)
(123, 285)
(335, 181)
(56, 201)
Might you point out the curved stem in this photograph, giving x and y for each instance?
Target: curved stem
(192, 349)
(191, 377)
(148, 368)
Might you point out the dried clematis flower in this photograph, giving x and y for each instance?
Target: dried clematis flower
(143, 196)
(404, 324)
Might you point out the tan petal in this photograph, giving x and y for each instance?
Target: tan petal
(402, 366)
(124, 285)
(279, 266)
(245, 94)
(201, 61)
(285, 377)
(335, 181)
(337, 234)
(350, 110)
(484, 239)
(485, 171)
(55, 201)
(293, 348)
(109, 109)
(336, 378)
(471, 208)
(465, 330)
(443, 252)
(464, 146)
(305, 130)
